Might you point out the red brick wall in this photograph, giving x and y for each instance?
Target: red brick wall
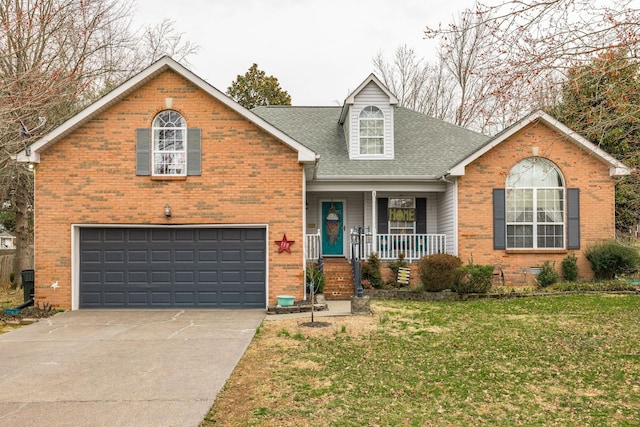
(248, 177)
(580, 170)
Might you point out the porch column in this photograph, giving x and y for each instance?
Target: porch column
(374, 213)
(374, 221)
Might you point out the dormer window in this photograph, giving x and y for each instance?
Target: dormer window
(371, 123)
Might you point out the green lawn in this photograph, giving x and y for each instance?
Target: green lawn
(570, 360)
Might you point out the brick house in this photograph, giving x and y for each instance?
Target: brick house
(166, 193)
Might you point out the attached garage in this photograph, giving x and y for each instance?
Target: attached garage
(172, 267)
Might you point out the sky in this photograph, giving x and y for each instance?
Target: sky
(319, 50)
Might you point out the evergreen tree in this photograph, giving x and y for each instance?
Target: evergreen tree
(601, 101)
(255, 89)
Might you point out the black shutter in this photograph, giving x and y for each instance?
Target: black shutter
(421, 215)
(383, 216)
(499, 219)
(143, 151)
(194, 162)
(573, 218)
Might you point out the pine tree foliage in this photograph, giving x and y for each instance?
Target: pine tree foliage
(255, 88)
(601, 101)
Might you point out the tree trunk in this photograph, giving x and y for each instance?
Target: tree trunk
(20, 206)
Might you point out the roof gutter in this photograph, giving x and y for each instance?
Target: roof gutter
(377, 178)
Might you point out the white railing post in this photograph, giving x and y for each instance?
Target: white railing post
(313, 246)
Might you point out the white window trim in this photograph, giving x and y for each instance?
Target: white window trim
(381, 155)
(535, 223)
(153, 146)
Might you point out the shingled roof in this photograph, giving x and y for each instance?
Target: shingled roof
(425, 148)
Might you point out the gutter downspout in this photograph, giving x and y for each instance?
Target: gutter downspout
(304, 223)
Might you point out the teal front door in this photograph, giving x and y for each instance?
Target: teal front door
(332, 228)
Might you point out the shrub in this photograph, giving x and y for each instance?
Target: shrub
(313, 274)
(395, 267)
(473, 278)
(438, 272)
(371, 271)
(610, 257)
(605, 286)
(570, 268)
(548, 275)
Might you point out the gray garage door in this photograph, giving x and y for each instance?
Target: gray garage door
(172, 267)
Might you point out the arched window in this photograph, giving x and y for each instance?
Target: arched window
(371, 131)
(535, 205)
(169, 134)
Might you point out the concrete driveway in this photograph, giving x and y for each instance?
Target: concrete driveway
(121, 367)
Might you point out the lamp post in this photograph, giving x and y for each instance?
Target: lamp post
(360, 304)
(356, 236)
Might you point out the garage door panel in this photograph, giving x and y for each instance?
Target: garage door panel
(185, 235)
(231, 276)
(137, 235)
(231, 235)
(254, 234)
(254, 256)
(89, 256)
(148, 267)
(185, 297)
(114, 235)
(137, 298)
(161, 234)
(207, 234)
(186, 277)
(137, 256)
(114, 298)
(160, 277)
(91, 298)
(230, 298)
(254, 298)
(207, 277)
(231, 255)
(134, 277)
(257, 276)
(160, 256)
(186, 256)
(207, 255)
(114, 277)
(117, 256)
(91, 277)
(160, 298)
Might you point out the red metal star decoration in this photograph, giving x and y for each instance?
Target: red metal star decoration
(285, 245)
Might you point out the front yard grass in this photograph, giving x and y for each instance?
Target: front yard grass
(567, 360)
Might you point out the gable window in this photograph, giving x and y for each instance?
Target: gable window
(169, 135)
(535, 206)
(371, 122)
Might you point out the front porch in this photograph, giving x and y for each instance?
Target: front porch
(414, 220)
(388, 247)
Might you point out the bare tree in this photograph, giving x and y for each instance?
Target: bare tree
(419, 85)
(163, 39)
(56, 56)
(527, 46)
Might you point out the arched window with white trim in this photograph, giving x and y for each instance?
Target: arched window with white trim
(169, 135)
(371, 121)
(535, 205)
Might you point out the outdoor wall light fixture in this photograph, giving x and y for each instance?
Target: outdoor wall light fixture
(167, 210)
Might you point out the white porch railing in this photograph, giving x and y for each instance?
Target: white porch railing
(313, 246)
(413, 246)
(387, 246)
